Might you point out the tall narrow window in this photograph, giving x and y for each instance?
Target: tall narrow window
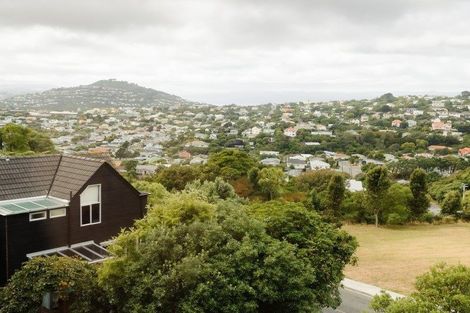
(90, 203)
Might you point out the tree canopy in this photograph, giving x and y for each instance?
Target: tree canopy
(72, 280)
(443, 289)
(189, 255)
(16, 139)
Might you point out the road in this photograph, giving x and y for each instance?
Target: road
(353, 302)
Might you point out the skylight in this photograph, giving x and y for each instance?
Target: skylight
(28, 205)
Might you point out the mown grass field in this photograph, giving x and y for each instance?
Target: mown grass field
(391, 258)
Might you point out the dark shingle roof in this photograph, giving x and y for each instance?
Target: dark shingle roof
(53, 175)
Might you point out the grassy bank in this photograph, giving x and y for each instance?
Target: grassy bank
(391, 258)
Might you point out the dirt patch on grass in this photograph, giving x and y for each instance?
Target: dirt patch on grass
(391, 258)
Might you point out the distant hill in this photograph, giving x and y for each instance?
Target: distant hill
(101, 94)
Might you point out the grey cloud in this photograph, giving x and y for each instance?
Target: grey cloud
(236, 50)
(89, 15)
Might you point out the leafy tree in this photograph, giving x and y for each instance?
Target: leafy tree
(229, 164)
(452, 202)
(335, 195)
(314, 179)
(157, 193)
(443, 289)
(131, 166)
(419, 204)
(270, 181)
(212, 191)
(377, 184)
(188, 255)
(124, 152)
(74, 282)
(466, 202)
(18, 139)
(440, 188)
(177, 176)
(315, 241)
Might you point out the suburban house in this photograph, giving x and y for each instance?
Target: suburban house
(464, 152)
(290, 132)
(316, 165)
(396, 123)
(296, 162)
(61, 205)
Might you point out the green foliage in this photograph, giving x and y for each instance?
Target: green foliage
(74, 281)
(443, 289)
(16, 139)
(335, 195)
(440, 188)
(466, 202)
(124, 152)
(270, 181)
(188, 255)
(130, 166)
(212, 192)
(314, 179)
(452, 202)
(229, 164)
(419, 204)
(157, 193)
(377, 184)
(315, 240)
(177, 176)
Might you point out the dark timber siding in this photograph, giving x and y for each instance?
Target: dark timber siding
(25, 237)
(120, 207)
(2, 251)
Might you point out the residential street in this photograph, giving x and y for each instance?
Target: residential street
(353, 302)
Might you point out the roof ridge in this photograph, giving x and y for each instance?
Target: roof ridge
(55, 174)
(7, 157)
(85, 158)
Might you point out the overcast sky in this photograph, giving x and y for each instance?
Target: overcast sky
(240, 51)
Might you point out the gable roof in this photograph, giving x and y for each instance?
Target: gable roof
(54, 175)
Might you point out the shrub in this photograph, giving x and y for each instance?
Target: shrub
(396, 219)
(427, 217)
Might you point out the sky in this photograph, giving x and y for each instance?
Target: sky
(240, 51)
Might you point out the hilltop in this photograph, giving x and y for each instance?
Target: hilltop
(101, 94)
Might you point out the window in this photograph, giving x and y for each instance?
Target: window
(57, 213)
(90, 202)
(37, 216)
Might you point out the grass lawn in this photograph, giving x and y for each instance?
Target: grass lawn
(391, 258)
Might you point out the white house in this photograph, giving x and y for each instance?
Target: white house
(316, 164)
(290, 132)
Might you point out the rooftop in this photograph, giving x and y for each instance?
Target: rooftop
(50, 175)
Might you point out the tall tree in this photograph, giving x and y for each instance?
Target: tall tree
(335, 195)
(419, 204)
(377, 184)
(270, 181)
(187, 255)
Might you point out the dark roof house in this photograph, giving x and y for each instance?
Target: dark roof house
(61, 205)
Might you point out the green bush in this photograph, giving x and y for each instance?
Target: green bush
(427, 217)
(396, 219)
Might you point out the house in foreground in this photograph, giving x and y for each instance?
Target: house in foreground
(61, 205)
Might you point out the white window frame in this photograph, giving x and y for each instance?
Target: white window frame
(31, 219)
(57, 216)
(91, 209)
